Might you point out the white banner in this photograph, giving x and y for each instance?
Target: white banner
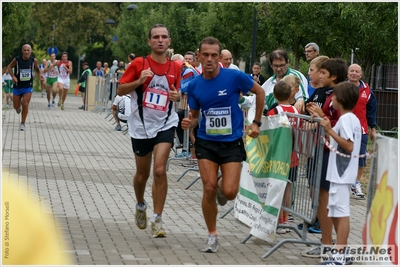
(381, 228)
(264, 177)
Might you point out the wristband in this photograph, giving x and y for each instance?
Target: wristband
(257, 122)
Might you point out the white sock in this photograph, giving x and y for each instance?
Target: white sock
(141, 206)
(155, 216)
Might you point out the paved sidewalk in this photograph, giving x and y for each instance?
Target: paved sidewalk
(83, 169)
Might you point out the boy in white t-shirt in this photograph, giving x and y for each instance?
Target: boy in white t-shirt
(345, 141)
(118, 117)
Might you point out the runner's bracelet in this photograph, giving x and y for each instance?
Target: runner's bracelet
(257, 122)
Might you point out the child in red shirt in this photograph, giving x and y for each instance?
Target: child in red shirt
(284, 92)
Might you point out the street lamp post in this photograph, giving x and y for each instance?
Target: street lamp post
(80, 58)
(52, 39)
(352, 55)
(112, 22)
(253, 50)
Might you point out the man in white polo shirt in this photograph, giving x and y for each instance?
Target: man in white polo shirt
(279, 62)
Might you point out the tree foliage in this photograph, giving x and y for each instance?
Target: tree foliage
(188, 24)
(39, 54)
(134, 25)
(337, 27)
(14, 26)
(375, 32)
(76, 24)
(231, 24)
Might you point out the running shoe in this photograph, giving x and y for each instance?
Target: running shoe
(18, 110)
(53, 103)
(283, 230)
(286, 224)
(141, 217)
(118, 127)
(62, 107)
(48, 106)
(315, 228)
(331, 263)
(157, 229)
(356, 191)
(59, 103)
(349, 260)
(22, 126)
(212, 244)
(183, 154)
(313, 252)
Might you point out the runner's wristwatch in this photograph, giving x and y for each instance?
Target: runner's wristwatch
(257, 122)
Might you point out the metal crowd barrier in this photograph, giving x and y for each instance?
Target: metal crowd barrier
(99, 87)
(245, 113)
(105, 87)
(110, 90)
(185, 142)
(184, 146)
(309, 146)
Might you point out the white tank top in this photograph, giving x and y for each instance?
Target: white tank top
(63, 72)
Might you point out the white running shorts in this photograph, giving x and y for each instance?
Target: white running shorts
(339, 200)
(64, 81)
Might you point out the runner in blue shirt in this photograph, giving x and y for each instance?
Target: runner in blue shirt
(219, 142)
(22, 76)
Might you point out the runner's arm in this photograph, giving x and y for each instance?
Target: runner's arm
(37, 69)
(69, 67)
(46, 68)
(126, 87)
(10, 67)
(254, 127)
(343, 143)
(191, 121)
(260, 98)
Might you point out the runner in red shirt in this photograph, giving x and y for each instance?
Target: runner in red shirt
(153, 84)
